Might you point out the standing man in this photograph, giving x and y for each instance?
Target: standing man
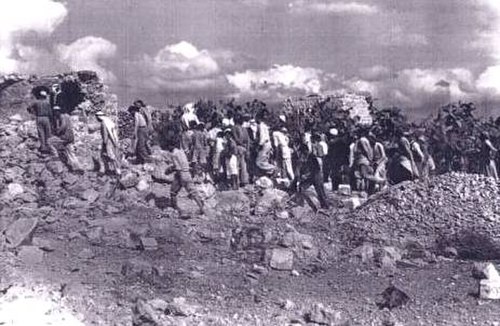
(64, 130)
(284, 153)
(110, 150)
(488, 153)
(43, 111)
(363, 156)
(243, 141)
(140, 136)
(264, 143)
(145, 111)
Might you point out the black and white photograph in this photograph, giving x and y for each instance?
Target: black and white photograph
(249, 162)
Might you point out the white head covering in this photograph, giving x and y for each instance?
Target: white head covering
(334, 132)
(188, 108)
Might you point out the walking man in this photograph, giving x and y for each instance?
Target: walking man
(182, 175)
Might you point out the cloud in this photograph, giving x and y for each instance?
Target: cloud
(375, 73)
(488, 81)
(397, 36)
(88, 53)
(279, 81)
(257, 3)
(331, 7)
(20, 17)
(419, 88)
(182, 69)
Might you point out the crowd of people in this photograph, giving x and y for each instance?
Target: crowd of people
(234, 148)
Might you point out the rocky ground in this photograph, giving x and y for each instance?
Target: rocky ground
(93, 250)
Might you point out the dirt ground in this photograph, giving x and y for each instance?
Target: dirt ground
(94, 266)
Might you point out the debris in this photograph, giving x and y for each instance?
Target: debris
(180, 307)
(393, 297)
(129, 180)
(44, 244)
(281, 259)
(90, 195)
(485, 271)
(323, 316)
(489, 289)
(450, 252)
(287, 305)
(13, 190)
(345, 190)
(136, 267)
(142, 185)
(30, 255)
(264, 183)
(86, 254)
(148, 243)
(20, 231)
(442, 211)
(365, 252)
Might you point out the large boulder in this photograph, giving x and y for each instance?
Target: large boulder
(233, 202)
(271, 199)
(13, 190)
(281, 259)
(20, 231)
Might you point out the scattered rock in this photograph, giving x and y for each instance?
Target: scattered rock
(30, 255)
(323, 316)
(281, 259)
(284, 215)
(287, 305)
(233, 202)
(142, 185)
(129, 180)
(365, 252)
(90, 195)
(95, 235)
(485, 270)
(270, 199)
(44, 244)
(180, 307)
(264, 183)
(392, 298)
(352, 203)
(301, 211)
(345, 190)
(136, 267)
(450, 252)
(489, 289)
(148, 243)
(16, 118)
(13, 190)
(55, 167)
(150, 313)
(86, 254)
(20, 231)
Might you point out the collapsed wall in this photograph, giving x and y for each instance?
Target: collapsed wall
(357, 105)
(83, 90)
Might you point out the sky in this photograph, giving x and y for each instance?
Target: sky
(415, 54)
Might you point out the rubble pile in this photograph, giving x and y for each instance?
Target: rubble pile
(454, 210)
(83, 89)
